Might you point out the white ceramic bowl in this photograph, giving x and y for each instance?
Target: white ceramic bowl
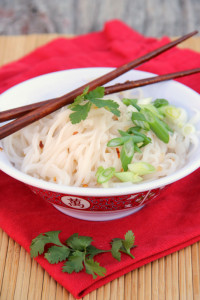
(97, 204)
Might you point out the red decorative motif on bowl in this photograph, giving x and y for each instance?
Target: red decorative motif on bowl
(85, 203)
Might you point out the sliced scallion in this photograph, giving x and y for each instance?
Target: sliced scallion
(138, 116)
(137, 148)
(171, 112)
(139, 120)
(188, 129)
(154, 110)
(134, 129)
(123, 133)
(156, 126)
(118, 141)
(132, 102)
(104, 175)
(99, 171)
(128, 177)
(137, 139)
(160, 102)
(141, 168)
(126, 154)
(146, 140)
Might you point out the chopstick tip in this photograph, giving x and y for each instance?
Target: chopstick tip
(194, 32)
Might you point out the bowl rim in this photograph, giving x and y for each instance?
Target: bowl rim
(94, 191)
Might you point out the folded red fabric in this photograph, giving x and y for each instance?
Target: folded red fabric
(167, 224)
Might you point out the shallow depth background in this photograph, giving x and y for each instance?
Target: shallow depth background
(149, 17)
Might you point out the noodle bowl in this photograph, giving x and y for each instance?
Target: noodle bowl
(55, 150)
(65, 175)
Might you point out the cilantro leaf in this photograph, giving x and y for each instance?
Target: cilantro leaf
(110, 105)
(74, 263)
(116, 246)
(38, 244)
(93, 267)
(92, 251)
(127, 252)
(82, 104)
(96, 93)
(81, 112)
(129, 240)
(79, 252)
(79, 99)
(128, 243)
(78, 242)
(56, 254)
(123, 245)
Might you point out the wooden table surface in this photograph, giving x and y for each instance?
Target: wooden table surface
(149, 17)
(176, 276)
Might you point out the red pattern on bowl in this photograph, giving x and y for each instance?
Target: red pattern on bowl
(111, 203)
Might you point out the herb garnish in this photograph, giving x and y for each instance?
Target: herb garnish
(82, 104)
(77, 251)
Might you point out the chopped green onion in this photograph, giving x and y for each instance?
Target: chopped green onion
(132, 102)
(118, 141)
(183, 117)
(176, 115)
(146, 141)
(128, 177)
(139, 120)
(99, 171)
(171, 112)
(128, 146)
(126, 154)
(104, 175)
(166, 126)
(137, 148)
(160, 102)
(188, 129)
(154, 110)
(138, 116)
(124, 138)
(123, 133)
(137, 138)
(156, 126)
(141, 168)
(134, 129)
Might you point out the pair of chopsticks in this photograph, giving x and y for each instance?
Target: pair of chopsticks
(28, 114)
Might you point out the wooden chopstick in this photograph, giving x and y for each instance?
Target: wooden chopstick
(147, 81)
(50, 107)
(119, 87)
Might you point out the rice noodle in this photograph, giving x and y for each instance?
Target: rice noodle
(55, 150)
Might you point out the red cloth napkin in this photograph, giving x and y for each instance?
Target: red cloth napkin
(167, 224)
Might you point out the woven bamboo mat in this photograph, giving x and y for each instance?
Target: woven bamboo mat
(176, 276)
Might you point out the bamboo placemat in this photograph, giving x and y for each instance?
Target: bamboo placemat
(176, 276)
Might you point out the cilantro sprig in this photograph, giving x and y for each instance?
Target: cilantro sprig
(77, 252)
(123, 245)
(82, 104)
